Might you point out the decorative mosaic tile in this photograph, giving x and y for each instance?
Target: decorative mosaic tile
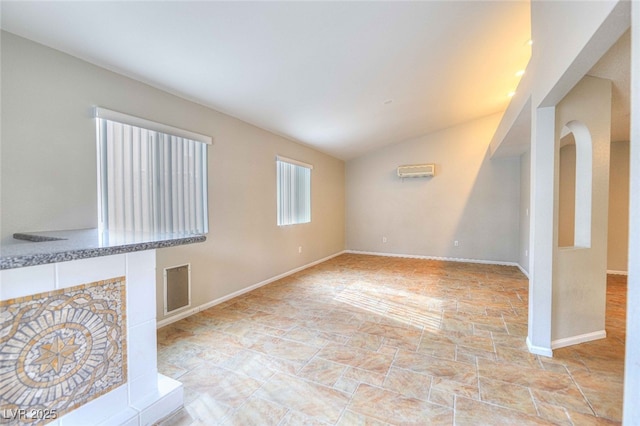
(61, 349)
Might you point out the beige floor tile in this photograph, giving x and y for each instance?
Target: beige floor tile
(469, 412)
(251, 364)
(408, 383)
(534, 378)
(514, 397)
(364, 340)
(437, 367)
(518, 357)
(586, 420)
(316, 401)
(349, 418)
(368, 340)
(356, 357)
(257, 412)
(205, 409)
(285, 349)
(295, 418)
(441, 397)
(554, 414)
(322, 371)
(346, 385)
(604, 396)
(443, 386)
(571, 399)
(222, 385)
(392, 407)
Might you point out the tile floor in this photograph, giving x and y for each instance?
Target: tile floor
(366, 340)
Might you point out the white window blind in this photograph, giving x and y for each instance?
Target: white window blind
(294, 191)
(150, 181)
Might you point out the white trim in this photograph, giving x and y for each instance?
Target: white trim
(292, 161)
(539, 350)
(524, 271)
(447, 259)
(581, 338)
(108, 114)
(614, 272)
(178, 317)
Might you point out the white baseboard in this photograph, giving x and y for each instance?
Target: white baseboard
(189, 312)
(446, 259)
(614, 272)
(524, 271)
(582, 338)
(539, 350)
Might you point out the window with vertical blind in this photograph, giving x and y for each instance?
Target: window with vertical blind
(152, 178)
(294, 191)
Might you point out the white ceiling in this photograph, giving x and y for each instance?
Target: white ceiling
(315, 72)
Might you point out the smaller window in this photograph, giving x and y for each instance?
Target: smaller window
(294, 191)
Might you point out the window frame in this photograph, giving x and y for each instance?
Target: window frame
(294, 219)
(162, 132)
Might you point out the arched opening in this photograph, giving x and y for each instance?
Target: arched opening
(575, 185)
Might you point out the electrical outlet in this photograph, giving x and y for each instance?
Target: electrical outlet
(299, 249)
(384, 239)
(526, 252)
(455, 243)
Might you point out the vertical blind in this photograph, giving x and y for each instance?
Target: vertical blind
(294, 191)
(150, 181)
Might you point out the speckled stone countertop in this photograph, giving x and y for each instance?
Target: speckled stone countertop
(39, 248)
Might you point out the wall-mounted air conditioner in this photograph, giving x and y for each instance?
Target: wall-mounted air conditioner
(417, 170)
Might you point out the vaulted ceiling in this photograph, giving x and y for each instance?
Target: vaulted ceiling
(343, 77)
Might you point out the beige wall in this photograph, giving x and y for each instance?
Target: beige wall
(567, 195)
(525, 193)
(472, 199)
(618, 235)
(49, 170)
(617, 257)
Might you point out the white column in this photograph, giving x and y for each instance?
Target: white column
(541, 247)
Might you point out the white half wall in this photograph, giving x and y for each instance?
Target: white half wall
(580, 272)
(472, 199)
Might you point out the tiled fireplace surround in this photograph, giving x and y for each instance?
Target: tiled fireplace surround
(146, 396)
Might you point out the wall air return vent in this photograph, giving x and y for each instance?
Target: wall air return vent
(417, 170)
(177, 288)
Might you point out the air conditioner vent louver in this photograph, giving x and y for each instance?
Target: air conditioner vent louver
(417, 170)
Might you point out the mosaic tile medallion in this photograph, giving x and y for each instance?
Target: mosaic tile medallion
(61, 349)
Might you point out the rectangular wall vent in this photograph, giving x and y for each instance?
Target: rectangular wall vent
(177, 288)
(417, 170)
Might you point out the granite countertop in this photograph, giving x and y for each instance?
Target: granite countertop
(39, 248)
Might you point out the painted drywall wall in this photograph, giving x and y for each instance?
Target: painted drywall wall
(618, 226)
(567, 194)
(580, 272)
(49, 170)
(525, 191)
(618, 236)
(472, 199)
